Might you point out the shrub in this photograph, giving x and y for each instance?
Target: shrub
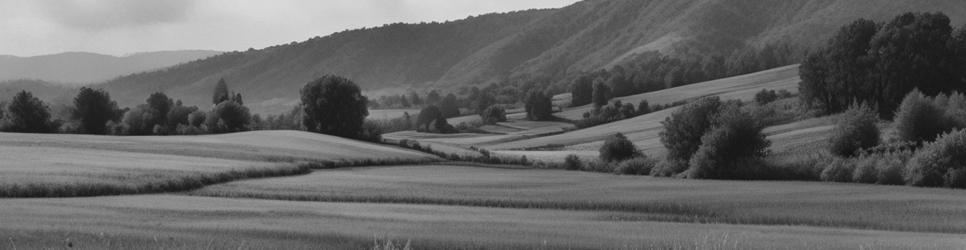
(617, 148)
(732, 145)
(669, 168)
(637, 166)
(572, 162)
(938, 163)
(865, 170)
(918, 119)
(766, 96)
(840, 170)
(598, 166)
(856, 130)
(683, 129)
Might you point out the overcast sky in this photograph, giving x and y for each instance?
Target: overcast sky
(118, 27)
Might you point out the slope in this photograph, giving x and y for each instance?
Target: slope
(84, 68)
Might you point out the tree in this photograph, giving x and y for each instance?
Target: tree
(449, 106)
(228, 117)
(726, 149)
(539, 106)
(179, 115)
(484, 101)
(601, 94)
(426, 118)
(917, 119)
(433, 98)
(832, 76)
(333, 105)
(683, 129)
(618, 148)
(94, 108)
(582, 91)
(221, 92)
(161, 103)
(27, 114)
(197, 118)
(140, 120)
(856, 130)
(414, 99)
(493, 115)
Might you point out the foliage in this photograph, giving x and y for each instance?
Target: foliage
(228, 117)
(494, 114)
(855, 131)
(539, 106)
(333, 105)
(878, 65)
(840, 170)
(94, 109)
(684, 129)
(572, 162)
(918, 119)
(449, 106)
(426, 118)
(221, 92)
(641, 165)
(729, 147)
(766, 96)
(180, 115)
(601, 94)
(140, 120)
(582, 91)
(618, 148)
(27, 114)
(669, 168)
(939, 163)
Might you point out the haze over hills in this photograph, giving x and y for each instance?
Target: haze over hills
(76, 68)
(533, 44)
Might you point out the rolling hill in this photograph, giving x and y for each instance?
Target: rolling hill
(84, 68)
(535, 44)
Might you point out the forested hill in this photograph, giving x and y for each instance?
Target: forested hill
(534, 44)
(78, 68)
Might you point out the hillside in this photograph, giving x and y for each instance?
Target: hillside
(80, 68)
(535, 44)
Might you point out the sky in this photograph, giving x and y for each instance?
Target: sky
(121, 27)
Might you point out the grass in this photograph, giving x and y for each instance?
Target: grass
(78, 165)
(182, 222)
(651, 199)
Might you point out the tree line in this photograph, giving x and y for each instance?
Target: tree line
(329, 105)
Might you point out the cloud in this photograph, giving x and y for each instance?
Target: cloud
(98, 15)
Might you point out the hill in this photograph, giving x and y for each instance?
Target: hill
(85, 68)
(535, 44)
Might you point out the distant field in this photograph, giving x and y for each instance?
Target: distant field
(386, 114)
(69, 165)
(743, 87)
(179, 222)
(659, 199)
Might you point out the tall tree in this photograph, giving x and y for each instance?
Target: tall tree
(334, 105)
(539, 106)
(582, 91)
(94, 108)
(601, 94)
(27, 114)
(161, 103)
(221, 92)
(449, 106)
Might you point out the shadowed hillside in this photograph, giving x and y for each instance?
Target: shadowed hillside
(81, 68)
(536, 44)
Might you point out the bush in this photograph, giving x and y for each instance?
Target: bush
(197, 118)
(856, 130)
(865, 170)
(617, 148)
(939, 163)
(669, 168)
(636, 166)
(918, 119)
(734, 143)
(572, 162)
(766, 96)
(683, 129)
(840, 170)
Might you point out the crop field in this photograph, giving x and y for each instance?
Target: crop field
(79, 165)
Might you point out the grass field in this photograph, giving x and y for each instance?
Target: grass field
(181, 222)
(80, 165)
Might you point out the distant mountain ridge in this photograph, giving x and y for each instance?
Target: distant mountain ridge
(84, 68)
(534, 44)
